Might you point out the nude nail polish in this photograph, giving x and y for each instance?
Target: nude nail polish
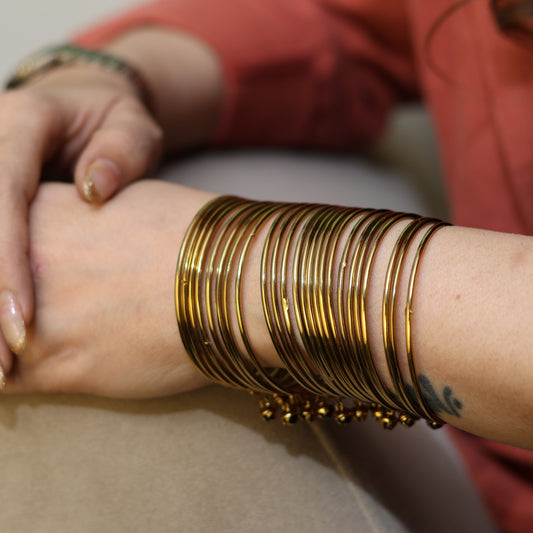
(12, 323)
(2, 380)
(89, 190)
(100, 181)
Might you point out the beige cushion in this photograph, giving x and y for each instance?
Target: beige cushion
(205, 461)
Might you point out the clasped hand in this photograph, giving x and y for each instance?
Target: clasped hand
(105, 319)
(77, 121)
(92, 282)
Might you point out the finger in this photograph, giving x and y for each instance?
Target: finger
(6, 363)
(124, 148)
(26, 131)
(30, 376)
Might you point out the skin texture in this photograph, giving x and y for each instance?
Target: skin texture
(105, 320)
(56, 123)
(88, 124)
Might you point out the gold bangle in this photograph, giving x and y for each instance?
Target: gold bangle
(433, 421)
(301, 283)
(354, 372)
(374, 237)
(394, 268)
(223, 251)
(275, 295)
(317, 303)
(188, 289)
(337, 354)
(319, 332)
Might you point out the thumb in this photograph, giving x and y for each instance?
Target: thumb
(127, 144)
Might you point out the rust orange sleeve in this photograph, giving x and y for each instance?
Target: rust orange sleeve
(304, 73)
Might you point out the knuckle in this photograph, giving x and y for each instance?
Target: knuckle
(13, 208)
(155, 131)
(9, 189)
(23, 103)
(13, 101)
(114, 138)
(25, 116)
(52, 370)
(12, 248)
(151, 142)
(150, 132)
(139, 144)
(38, 264)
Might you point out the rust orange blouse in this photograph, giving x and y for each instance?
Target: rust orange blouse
(326, 73)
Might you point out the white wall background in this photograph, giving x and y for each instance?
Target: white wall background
(27, 25)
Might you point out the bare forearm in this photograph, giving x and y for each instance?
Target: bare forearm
(473, 328)
(472, 331)
(472, 310)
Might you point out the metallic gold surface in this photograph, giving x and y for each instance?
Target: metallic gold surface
(90, 192)
(316, 266)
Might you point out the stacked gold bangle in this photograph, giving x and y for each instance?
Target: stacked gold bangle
(315, 270)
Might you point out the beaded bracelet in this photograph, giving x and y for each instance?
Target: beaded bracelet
(47, 59)
(315, 269)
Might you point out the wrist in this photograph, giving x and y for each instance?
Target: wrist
(84, 76)
(60, 56)
(183, 78)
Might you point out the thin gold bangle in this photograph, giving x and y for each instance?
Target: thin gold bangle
(394, 268)
(214, 273)
(187, 290)
(363, 277)
(338, 354)
(302, 367)
(374, 382)
(354, 370)
(270, 383)
(273, 291)
(219, 292)
(433, 420)
(328, 349)
(228, 364)
(302, 287)
(322, 342)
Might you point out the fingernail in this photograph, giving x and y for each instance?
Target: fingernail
(12, 323)
(3, 382)
(101, 181)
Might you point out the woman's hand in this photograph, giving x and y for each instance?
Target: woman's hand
(83, 121)
(105, 320)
